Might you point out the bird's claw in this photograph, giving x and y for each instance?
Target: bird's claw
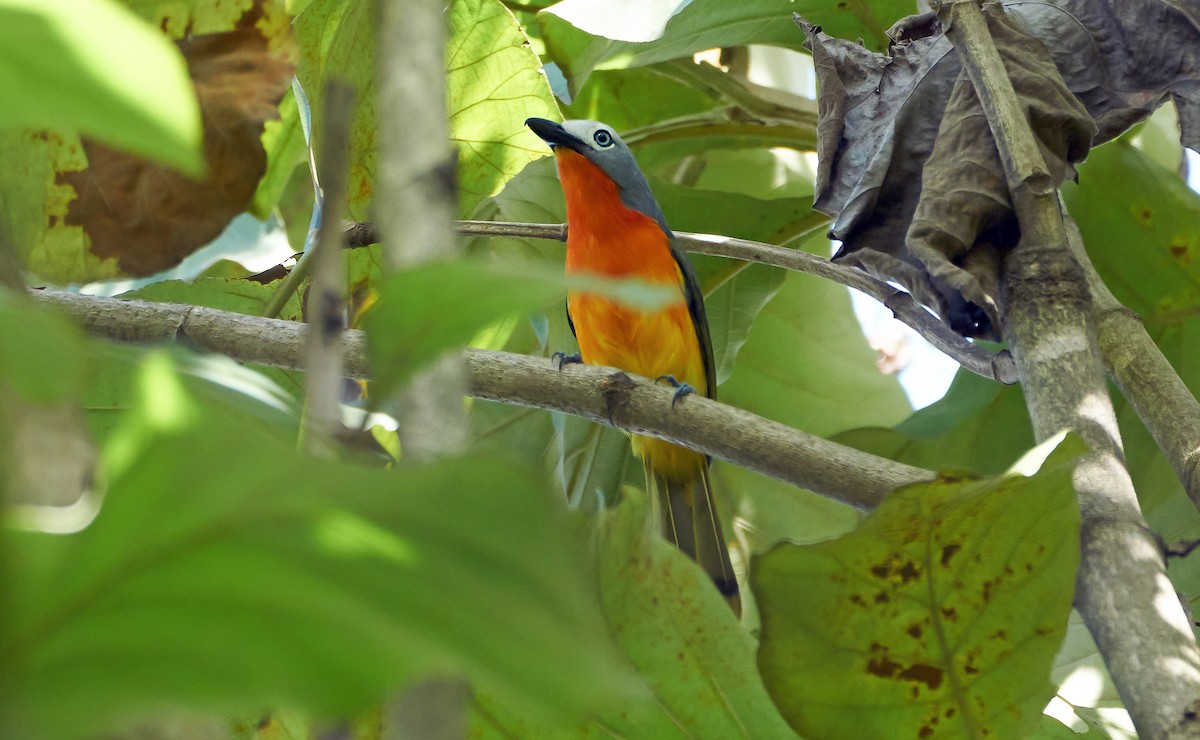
(681, 389)
(562, 358)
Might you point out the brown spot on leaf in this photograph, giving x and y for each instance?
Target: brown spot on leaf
(909, 572)
(882, 598)
(948, 552)
(927, 674)
(883, 666)
(881, 571)
(1179, 251)
(857, 600)
(150, 217)
(949, 613)
(925, 731)
(999, 635)
(914, 630)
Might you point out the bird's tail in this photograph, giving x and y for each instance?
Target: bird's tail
(688, 519)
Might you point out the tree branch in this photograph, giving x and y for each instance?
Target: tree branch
(1144, 376)
(995, 366)
(327, 294)
(1122, 589)
(417, 180)
(596, 393)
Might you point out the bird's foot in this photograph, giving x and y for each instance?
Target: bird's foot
(681, 389)
(562, 358)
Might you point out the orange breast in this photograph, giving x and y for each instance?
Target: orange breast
(606, 238)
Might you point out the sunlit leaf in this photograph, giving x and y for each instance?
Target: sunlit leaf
(91, 67)
(575, 32)
(941, 614)
(494, 83)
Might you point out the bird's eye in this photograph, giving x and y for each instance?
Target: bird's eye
(603, 138)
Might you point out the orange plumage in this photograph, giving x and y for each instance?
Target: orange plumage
(616, 229)
(606, 238)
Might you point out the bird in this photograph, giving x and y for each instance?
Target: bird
(616, 229)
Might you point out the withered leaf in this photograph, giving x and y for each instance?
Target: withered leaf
(149, 217)
(908, 166)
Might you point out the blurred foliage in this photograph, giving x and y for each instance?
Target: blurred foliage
(217, 571)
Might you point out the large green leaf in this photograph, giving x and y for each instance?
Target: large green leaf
(940, 616)
(226, 572)
(575, 32)
(629, 98)
(695, 659)
(75, 220)
(42, 355)
(428, 310)
(806, 364)
(494, 83)
(92, 67)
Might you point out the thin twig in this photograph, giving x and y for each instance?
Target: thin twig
(327, 291)
(994, 366)
(832, 470)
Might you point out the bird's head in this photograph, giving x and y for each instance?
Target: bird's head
(599, 144)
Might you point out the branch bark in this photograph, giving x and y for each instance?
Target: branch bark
(1144, 376)
(995, 366)
(417, 182)
(327, 291)
(600, 394)
(1122, 589)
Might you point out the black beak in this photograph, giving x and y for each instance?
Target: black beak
(554, 134)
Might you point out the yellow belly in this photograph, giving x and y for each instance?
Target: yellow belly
(651, 344)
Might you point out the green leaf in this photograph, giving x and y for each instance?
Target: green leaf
(283, 141)
(575, 32)
(239, 296)
(807, 365)
(939, 616)
(226, 572)
(92, 67)
(428, 310)
(42, 355)
(674, 627)
(979, 425)
(629, 98)
(494, 83)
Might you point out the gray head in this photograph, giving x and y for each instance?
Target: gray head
(601, 145)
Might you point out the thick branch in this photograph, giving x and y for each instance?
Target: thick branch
(417, 181)
(998, 366)
(1122, 590)
(1145, 377)
(596, 393)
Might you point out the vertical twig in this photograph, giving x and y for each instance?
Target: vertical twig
(417, 201)
(1122, 590)
(327, 289)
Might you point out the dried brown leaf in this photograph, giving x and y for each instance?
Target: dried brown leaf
(936, 217)
(150, 217)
